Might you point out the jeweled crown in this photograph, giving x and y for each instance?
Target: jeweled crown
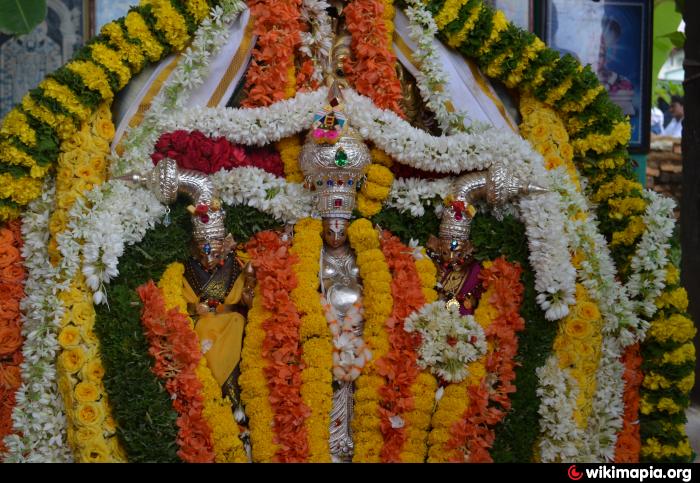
(334, 160)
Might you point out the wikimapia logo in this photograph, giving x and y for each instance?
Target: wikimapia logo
(602, 471)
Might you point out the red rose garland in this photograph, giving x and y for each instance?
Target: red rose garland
(175, 349)
(398, 366)
(274, 265)
(194, 150)
(473, 435)
(12, 276)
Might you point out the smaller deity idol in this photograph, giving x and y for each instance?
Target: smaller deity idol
(217, 286)
(458, 271)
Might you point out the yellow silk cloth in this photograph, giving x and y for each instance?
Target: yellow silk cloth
(224, 332)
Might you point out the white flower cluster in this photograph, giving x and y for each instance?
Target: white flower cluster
(450, 341)
(38, 417)
(189, 74)
(555, 280)
(114, 215)
(317, 43)
(350, 353)
(287, 202)
(560, 435)
(649, 263)
(431, 77)
(411, 195)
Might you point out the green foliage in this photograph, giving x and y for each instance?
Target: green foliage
(19, 17)
(408, 227)
(518, 432)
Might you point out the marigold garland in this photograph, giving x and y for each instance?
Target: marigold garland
(227, 446)
(176, 353)
(377, 186)
(378, 302)
(398, 367)
(316, 339)
(372, 70)
(498, 310)
(281, 350)
(12, 275)
(628, 443)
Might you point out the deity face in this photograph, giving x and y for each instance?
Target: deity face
(335, 232)
(451, 253)
(212, 253)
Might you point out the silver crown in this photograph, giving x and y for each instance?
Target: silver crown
(166, 181)
(333, 172)
(496, 186)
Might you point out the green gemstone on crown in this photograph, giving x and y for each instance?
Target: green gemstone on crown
(341, 158)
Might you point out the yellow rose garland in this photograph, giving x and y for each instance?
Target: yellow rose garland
(91, 430)
(316, 339)
(228, 448)
(378, 305)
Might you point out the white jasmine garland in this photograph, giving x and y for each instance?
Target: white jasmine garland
(408, 145)
(38, 417)
(450, 341)
(411, 195)
(318, 42)
(431, 78)
(189, 74)
(648, 278)
(287, 202)
(549, 256)
(560, 435)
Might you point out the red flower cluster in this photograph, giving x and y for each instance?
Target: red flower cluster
(474, 434)
(398, 366)
(12, 276)
(629, 442)
(282, 348)
(175, 349)
(194, 150)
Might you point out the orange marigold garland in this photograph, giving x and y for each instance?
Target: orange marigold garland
(278, 26)
(628, 439)
(12, 276)
(176, 352)
(398, 366)
(282, 345)
(373, 68)
(473, 435)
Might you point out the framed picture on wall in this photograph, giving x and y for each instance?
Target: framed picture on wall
(520, 12)
(614, 37)
(101, 12)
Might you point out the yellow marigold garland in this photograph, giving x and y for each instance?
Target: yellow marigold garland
(378, 304)
(64, 96)
(316, 339)
(16, 124)
(254, 392)
(376, 187)
(137, 28)
(111, 61)
(93, 76)
(228, 448)
(423, 389)
(128, 51)
(169, 22)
